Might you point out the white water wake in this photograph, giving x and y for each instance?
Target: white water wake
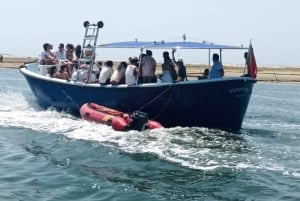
(196, 148)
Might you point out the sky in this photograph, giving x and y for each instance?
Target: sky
(273, 26)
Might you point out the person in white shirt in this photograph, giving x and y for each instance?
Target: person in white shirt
(47, 57)
(106, 72)
(61, 53)
(131, 72)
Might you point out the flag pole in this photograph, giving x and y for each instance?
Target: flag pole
(251, 62)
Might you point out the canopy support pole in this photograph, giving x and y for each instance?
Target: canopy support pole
(209, 67)
(139, 67)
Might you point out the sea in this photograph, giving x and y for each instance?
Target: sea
(47, 155)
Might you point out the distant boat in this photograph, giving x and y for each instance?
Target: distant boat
(214, 103)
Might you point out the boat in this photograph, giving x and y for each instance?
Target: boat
(119, 121)
(213, 103)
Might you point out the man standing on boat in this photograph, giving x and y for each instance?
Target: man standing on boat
(217, 70)
(148, 67)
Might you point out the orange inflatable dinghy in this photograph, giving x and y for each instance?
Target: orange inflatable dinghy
(118, 120)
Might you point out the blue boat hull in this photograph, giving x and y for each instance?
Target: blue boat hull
(219, 103)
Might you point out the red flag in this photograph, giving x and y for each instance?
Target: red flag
(251, 61)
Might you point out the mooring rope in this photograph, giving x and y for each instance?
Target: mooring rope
(155, 98)
(69, 100)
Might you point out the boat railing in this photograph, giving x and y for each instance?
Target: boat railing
(44, 69)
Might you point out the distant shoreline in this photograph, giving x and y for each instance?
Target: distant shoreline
(10, 61)
(265, 73)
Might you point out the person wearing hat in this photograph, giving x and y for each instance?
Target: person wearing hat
(132, 71)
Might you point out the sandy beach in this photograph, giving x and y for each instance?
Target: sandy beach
(265, 73)
(11, 61)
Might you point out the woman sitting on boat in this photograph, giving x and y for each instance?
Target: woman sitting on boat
(132, 71)
(106, 72)
(118, 76)
(205, 74)
(168, 69)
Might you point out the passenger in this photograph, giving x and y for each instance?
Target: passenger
(62, 58)
(217, 70)
(132, 71)
(51, 52)
(181, 67)
(63, 73)
(86, 74)
(95, 73)
(47, 57)
(205, 74)
(148, 67)
(61, 53)
(135, 61)
(168, 69)
(181, 70)
(52, 71)
(247, 65)
(118, 76)
(99, 67)
(89, 52)
(78, 52)
(83, 74)
(70, 52)
(106, 72)
(70, 57)
(77, 56)
(140, 78)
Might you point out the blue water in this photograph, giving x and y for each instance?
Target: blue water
(47, 155)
